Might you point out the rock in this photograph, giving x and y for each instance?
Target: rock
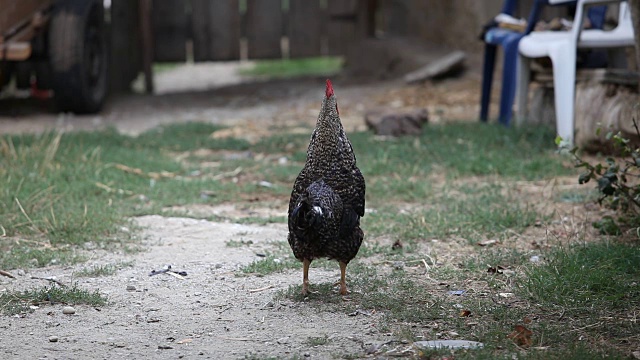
(448, 65)
(398, 265)
(284, 340)
(68, 310)
(53, 339)
(131, 288)
(398, 123)
(452, 344)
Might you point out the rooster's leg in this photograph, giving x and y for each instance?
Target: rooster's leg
(343, 281)
(305, 276)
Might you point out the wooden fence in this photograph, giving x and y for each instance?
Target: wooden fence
(257, 29)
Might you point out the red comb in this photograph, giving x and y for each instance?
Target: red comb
(329, 90)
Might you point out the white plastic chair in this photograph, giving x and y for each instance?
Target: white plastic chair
(561, 47)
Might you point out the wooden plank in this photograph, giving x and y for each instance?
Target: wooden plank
(216, 30)
(125, 55)
(305, 22)
(14, 12)
(396, 14)
(169, 19)
(264, 21)
(341, 27)
(15, 51)
(449, 64)
(147, 44)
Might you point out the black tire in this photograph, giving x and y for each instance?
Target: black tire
(78, 55)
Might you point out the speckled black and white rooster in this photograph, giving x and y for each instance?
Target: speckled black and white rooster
(327, 200)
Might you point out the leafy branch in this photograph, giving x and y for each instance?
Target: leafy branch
(618, 178)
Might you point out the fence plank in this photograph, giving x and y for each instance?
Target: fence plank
(216, 30)
(125, 56)
(305, 21)
(169, 20)
(264, 21)
(341, 28)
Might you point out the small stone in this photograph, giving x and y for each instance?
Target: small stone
(68, 310)
(307, 354)
(452, 344)
(131, 288)
(284, 340)
(398, 265)
(53, 339)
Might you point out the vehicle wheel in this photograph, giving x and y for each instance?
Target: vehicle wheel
(78, 55)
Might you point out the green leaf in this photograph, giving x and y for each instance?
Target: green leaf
(558, 140)
(605, 187)
(584, 178)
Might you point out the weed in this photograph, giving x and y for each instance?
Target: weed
(101, 270)
(317, 341)
(19, 302)
(271, 264)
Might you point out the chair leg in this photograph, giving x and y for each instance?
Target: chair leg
(564, 88)
(487, 79)
(522, 92)
(508, 81)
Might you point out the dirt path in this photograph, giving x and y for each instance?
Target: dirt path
(209, 314)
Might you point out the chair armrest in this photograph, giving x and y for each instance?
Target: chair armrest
(581, 11)
(589, 2)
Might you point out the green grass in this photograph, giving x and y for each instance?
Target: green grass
(454, 183)
(587, 277)
(316, 66)
(19, 302)
(65, 190)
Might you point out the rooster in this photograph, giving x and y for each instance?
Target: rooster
(327, 200)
